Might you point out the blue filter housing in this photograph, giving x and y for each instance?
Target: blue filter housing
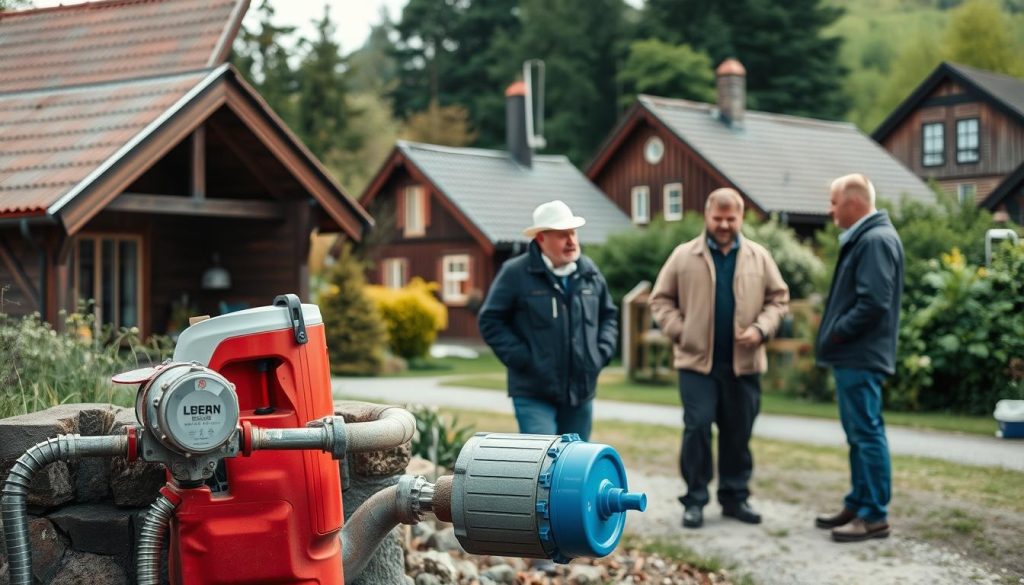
(540, 496)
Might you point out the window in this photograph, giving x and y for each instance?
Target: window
(932, 144)
(415, 216)
(395, 272)
(641, 204)
(673, 201)
(654, 149)
(455, 278)
(965, 192)
(108, 270)
(967, 141)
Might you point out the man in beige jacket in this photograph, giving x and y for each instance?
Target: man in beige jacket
(718, 298)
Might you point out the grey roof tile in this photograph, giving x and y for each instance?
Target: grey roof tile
(498, 195)
(786, 163)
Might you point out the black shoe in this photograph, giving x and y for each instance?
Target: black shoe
(742, 512)
(693, 517)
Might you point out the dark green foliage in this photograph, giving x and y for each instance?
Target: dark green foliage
(355, 332)
(792, 66)
(658, 68)
(438, 438)
(14, 4)
(262, 57)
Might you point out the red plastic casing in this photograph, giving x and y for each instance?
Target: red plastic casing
(279, 521)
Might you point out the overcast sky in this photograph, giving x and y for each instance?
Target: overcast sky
(353, 18)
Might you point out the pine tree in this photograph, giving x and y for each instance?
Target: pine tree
(322, 111)
(355, 332)
(262, 57)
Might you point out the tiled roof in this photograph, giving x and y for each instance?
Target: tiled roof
(113, 40)
(51, 140)
(1004, 88)
(498, 195)
(786, 163)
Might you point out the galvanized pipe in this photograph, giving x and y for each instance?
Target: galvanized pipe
(376, 517)
(394, 427)
(151, 540)
(60, 448)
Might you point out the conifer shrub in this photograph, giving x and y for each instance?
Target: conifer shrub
(356, 337)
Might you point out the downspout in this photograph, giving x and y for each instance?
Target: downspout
(27, 234)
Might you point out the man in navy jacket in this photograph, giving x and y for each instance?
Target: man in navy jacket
(857, 338)
(550, 319)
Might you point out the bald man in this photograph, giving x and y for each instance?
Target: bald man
(857, 338)
(718, 298)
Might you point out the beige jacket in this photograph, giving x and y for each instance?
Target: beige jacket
(683, 303)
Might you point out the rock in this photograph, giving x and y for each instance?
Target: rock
(467, 570)
(95, 528)
(92, 479)
(89, 569)
(137, 483)
(423, 531)
(427, 579)
(48, 548)
(444, 540)
(586, 574)
(439, 564)
(503, 574)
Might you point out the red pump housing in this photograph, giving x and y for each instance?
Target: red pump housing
(278, 517)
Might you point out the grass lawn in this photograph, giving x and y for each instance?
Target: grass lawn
(487, 363)
(613, 385)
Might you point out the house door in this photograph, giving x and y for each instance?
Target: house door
(108, 278)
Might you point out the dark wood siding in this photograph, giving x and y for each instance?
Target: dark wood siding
(627, 168)
(1000, 140)
(19, 269)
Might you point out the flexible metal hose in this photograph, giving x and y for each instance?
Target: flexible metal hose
(60, 448)
(151, 540)
(393, 427)
(365, 530)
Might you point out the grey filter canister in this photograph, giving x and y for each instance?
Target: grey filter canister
(495, 493)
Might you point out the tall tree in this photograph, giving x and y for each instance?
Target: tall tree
(424, 51)
(792, 66)
(445, 125)
(659, 68)
(322, 109)
(979, 34)
(262, 55)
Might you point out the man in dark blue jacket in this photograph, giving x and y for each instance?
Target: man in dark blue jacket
(857, 338)
(550, 320)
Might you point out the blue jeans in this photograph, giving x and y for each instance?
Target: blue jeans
(540, 417)
(859, 393)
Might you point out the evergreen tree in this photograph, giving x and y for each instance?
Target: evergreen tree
(445, 125)
(262, 57)
(424, 51)
(658, 68)
(322, 109)
(355, 332)
(792, 67)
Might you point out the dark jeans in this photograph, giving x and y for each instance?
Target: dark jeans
(540, 417)
(731, 402)
(859, 393)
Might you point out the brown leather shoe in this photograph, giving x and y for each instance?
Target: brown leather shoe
(859, 530)
(843, 517)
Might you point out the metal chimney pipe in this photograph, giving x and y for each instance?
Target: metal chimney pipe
(516, 138)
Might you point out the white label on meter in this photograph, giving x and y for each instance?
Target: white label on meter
(199, 419)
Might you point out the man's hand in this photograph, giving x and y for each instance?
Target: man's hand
(751, 337)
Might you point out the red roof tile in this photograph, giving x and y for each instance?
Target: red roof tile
(114, 40)
(52, 139)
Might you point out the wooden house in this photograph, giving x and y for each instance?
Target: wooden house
(964, 129)
(666, 155)
(454, 215)
(138, 168)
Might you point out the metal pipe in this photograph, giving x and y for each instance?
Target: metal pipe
(151, 540)
(394, 427)
(60, 448)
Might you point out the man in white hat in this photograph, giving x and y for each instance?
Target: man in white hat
(549, 318)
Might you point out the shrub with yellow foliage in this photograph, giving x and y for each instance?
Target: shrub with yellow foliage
(412, 315)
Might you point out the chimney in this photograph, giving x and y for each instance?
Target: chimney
(515, 124)
(731, 83)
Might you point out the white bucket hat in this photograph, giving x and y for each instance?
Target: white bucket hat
(553, 215)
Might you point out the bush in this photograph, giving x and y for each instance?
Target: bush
(800, 266)
(354, 328)
(41, 367)
(962, 347)
(438, 439)
(412, 315)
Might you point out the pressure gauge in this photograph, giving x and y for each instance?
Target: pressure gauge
(189, 408)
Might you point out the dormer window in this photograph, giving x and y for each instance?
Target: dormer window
(967, 141)
(933, 139)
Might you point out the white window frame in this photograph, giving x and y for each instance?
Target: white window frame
(395, 272)
(668, 190)
(933, 157)
(415, 216)
(968, 144)
(451, 280)
(97, 280)
(966, 192)
(640, 204)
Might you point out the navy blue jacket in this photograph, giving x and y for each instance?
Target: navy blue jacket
(862, 315)
(554, 342)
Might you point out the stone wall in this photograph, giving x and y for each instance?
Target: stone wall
(85, 516)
